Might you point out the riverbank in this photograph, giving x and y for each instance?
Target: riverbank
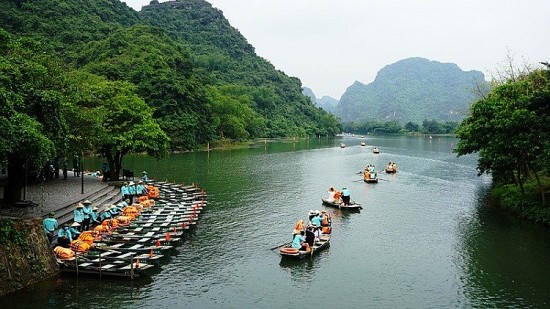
(528, 205)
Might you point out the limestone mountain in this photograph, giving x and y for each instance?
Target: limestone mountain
(327, 103)
(412, 89)
(200, 75)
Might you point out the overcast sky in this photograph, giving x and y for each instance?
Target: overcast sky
(330, 44)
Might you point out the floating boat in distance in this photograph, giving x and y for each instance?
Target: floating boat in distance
(286, 250)
(363, 143)
(375, 150)
(352, 206)
(368, 178)
(342, 145)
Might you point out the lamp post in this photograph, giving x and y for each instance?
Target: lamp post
(81, 173)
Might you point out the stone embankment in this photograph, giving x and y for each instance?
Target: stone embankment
(25, 255)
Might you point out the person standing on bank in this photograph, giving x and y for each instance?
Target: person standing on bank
(78, 214)
(56, 167)
(76, 166)
(50, 225)
(131, 191)
(141, 190)
(88, 210)
(125, 191)
(65, 168)
(346, 196)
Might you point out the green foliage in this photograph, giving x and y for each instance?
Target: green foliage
(30, 103)
(120, 120)
(9, 234)
(394, 127)
(525, 204)
(412, 90)
(199, 75)
(435, 127)
(510, 128)
(279, 108)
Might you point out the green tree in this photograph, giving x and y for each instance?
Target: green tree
(117, 120)
(510, 129)
(32, 125)
(412, 127)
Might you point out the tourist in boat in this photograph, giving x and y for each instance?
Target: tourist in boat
(50, 225)
(394, 166)
(325, 222)
(316, 220)
(312, 214)
(331, 194)
(78, 214)
(338, 197)
(88, 209)
(298, 228)
(64, 236)
(366, 175)
(316, 231)
(310, 236)
(144, 176)
(346, 196)
(298, 241)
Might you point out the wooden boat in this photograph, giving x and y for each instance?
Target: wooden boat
(132, 248)
(353, 205)
(98, 255)
(363, 144)
(391, 170)
(342, 145)
(118, 268)
(376, 150)
(369, 179)
(286, 250)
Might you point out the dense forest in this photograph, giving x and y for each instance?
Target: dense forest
(412, 89)
(510, 130)
(98, 77)
(394, 127)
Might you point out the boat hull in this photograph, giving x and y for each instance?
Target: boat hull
(353, 206)
(301, 254)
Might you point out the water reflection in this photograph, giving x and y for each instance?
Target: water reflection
(496, 274)
(303, 270)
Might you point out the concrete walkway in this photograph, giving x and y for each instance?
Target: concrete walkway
(53, 195)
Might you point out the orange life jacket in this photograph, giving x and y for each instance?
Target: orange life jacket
(63, 253)
(79, 246)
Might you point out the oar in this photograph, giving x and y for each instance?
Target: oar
(286, 243)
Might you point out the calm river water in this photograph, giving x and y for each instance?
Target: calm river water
(425, 238)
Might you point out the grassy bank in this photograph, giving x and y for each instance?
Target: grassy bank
(528, 205)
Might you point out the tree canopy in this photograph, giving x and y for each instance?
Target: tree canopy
(510, 129)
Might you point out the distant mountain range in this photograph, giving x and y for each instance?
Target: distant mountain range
(327, 103)
(411, 89)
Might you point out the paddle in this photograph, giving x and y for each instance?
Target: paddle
(286, 243)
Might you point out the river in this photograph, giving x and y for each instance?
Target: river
(425, 238)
